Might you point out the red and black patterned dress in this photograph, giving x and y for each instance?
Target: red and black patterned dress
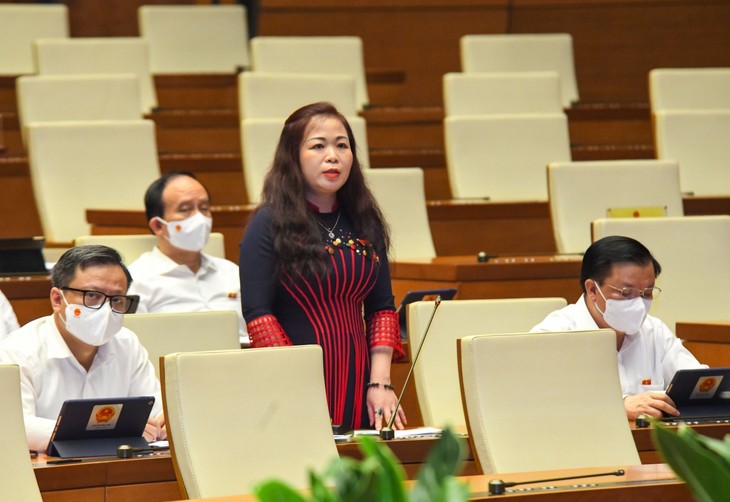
(347, 311)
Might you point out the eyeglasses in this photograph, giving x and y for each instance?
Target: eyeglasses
(120, 304)
(648, 293)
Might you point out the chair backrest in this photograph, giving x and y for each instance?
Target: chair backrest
(76, 166)
(580, 192)
(277, 95)
(133, 245)
(73, 56)
(401, 195)
(693, 253)
(700, 141)
(195, 38)
(436, 374)
(238, 417)
(56, 98)
(259, 138)
(164, 333)
(545, 401)
(503, 157)
(328, 55)
(689, 88)
(20, 25)
(500, 93)
(17, 480)
(523, 52)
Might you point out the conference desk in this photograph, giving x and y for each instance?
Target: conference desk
(708, 341)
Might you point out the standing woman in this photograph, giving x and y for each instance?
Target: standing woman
(314, 268)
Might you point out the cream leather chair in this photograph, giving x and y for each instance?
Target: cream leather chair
(546, 401)
(103, 55)
(523, 52)
(326, 55)
(503, 157)
(239, 417)
(693, 253)
(75, 166)
(57, 98)
(436, 374)
(580, 192)
(259, 138)
(277, 95)
(20, 25)
(195, 38)
(133, 245)
(689, 89)
(165, 333)
(401, 196)
(700, 141)
(499, 93)
(17, 480)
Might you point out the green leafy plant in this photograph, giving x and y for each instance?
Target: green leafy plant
(379, 476)
(700, 461)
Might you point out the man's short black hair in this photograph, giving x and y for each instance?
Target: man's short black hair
(82, 257)
(602, 255)
(153, 203)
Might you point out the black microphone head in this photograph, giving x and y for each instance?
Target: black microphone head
(620, 472)
(496, 487)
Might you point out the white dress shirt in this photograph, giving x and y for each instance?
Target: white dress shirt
(166, 286)
(50, 374)
(646, 361)
(8, 321)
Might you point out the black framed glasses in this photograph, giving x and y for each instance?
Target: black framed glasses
(629, 293)
(121, 304)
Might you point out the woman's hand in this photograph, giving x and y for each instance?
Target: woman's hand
(381, 403)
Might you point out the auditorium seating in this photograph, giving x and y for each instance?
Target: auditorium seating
(20, 26)
(131, 246)
(522, 52)
(544, 401)
(325, 55)
(693, 253)
(580, 192)
(195, 38)
(689, 89)
(237, 417)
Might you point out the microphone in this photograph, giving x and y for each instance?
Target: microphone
(388, 432)
(497, 486)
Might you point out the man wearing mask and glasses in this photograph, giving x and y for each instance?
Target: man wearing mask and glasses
(618, 277)
(81, 350)
(176, 276)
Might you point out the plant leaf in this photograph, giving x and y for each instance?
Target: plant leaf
(277, 491)
(443, 462)
(722, 448)
(390, 473)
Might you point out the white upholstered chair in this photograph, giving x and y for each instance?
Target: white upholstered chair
(544, 401)
(165, 333)
(436, 374)
(131, 246)
(580, 192)
(700, 141)
(76, 166)
(195, 38)
(693, 253)
(239, 417)
(523, 52)
(58, 98)
(689, 89)
(401, 195)
(277, 95)
(20, 25)
(503, 157)
(17, 479)
(73, 56)
(500, 93)
(327, 55)
(259, 138)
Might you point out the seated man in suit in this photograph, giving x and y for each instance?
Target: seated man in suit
(8, 321)
(176, 276)
(617, 277)
(81, 350)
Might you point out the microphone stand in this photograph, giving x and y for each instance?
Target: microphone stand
(498, 487)
(387, 433)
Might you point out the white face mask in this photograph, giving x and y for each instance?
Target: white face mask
(190, 234)
(626, 316)
(92, 326)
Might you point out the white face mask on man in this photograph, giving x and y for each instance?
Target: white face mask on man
(190, 234)
(626, 316)
(92, 326)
